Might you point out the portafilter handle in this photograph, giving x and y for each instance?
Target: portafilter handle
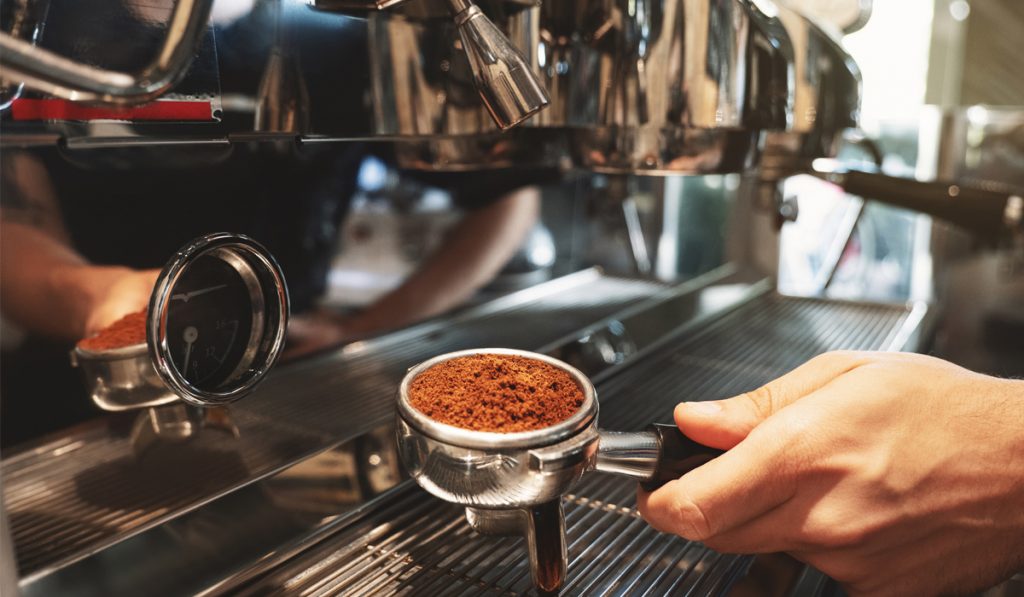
(655, 456)
(989, 210)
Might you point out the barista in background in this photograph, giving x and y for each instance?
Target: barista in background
(81, 244)
(131, 209)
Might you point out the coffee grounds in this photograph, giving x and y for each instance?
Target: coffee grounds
(129, 330)
(495, 392)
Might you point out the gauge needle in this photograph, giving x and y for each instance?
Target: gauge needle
(190, 336)
(185, 296)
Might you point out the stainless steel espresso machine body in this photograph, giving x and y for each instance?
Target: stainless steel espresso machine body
(666, 87)
(305, 492)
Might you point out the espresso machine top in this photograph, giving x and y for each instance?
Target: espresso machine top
(618, 87)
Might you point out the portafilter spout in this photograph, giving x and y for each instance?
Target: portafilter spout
(509, 88)
(512, 483)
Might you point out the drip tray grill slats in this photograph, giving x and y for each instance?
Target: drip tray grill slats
(410, 543)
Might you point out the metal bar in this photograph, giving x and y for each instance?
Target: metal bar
(50, 73)
(653, 588)
(587, 518)
(624, 564)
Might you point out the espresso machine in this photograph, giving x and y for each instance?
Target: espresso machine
(307, 493)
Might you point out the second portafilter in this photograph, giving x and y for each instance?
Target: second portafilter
(512, 483)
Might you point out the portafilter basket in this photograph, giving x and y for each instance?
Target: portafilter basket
(512, 483)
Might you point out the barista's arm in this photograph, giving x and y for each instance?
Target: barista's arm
(470, 256)
(48, 288)
(472, 253)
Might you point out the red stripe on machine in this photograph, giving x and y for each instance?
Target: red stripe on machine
(56, 109)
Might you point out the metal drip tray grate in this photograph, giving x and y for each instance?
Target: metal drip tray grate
(409, 543)
(71, 497)
(745, 349)
(412, 545)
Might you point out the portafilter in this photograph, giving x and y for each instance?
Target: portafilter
(513, 482)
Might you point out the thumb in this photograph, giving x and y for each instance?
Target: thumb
(724, 423)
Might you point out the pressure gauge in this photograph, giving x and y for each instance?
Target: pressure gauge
(217, 319)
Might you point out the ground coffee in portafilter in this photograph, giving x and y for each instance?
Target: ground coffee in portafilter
(496, 392)
(127, 331)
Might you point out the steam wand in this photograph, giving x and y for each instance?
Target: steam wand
(507, 85)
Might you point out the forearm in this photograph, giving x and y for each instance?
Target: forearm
(472, 254)
(47, 287)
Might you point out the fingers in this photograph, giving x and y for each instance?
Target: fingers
(724, 423)
(148, 278)
(738, 486)
(757, 475)
(719, 423)
(772, 532)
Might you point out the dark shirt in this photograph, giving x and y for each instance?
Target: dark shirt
(126, 208)
(137, 210)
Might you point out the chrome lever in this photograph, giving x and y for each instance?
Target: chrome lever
(47, 72)
(509, 88)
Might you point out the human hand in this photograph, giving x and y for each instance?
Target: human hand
(117, 291)
(316, 331)
(892, 473)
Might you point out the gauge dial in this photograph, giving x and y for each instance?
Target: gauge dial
(217, 319)
(211, 322)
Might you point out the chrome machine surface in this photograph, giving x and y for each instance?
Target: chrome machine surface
(826, 99)
(264, 71)
(68, 497)
(287, 533)
(298, 489)
(23, 63)
(406, 541)
(422, 83)
(508, 86)
(682, 87)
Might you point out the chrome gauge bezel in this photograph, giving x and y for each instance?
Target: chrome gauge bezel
(268, 294)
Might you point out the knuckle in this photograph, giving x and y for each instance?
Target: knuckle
(840, 537)
(671, 509)
(716, 544)
(791, 440)
(851, 572)
(835, 357)
(834, 531)
(762, 401)
(690, 518)
(850, 359)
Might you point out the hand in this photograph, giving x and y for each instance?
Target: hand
(316, 331)
(893, 473)
(117, 292)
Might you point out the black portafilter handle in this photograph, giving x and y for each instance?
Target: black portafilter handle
(990, 212)
(677, 455)
(654, 456)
